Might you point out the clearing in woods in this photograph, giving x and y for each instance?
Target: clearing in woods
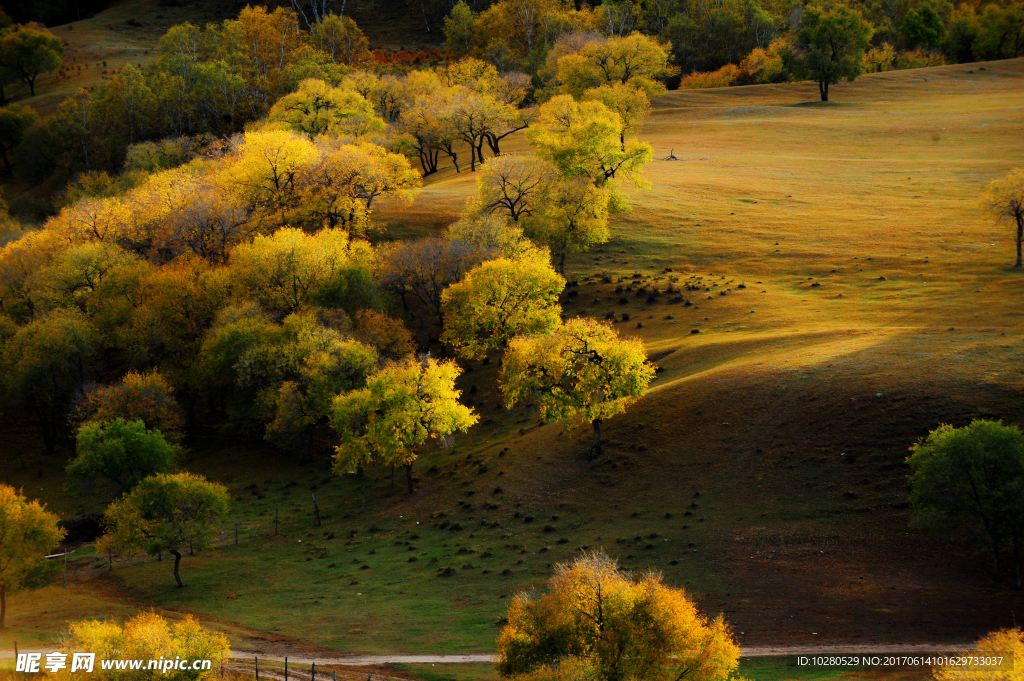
(848, 295)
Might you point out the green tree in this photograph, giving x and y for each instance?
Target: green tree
(573, 217)
(1003, 200)
(316, 109)
(122, 452)
(15, 120)
(30, 50)
(499, 300)
(582, 139)
(922, 27)
(342, 40)
(27, 533)
(581, 370)
(402, 408)
(166, 513)
(630, 103)
(972, 478)
(832, 39)
(459, 29)
(598, 622)
(46, 362)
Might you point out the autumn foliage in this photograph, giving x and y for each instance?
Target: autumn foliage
(598, 622)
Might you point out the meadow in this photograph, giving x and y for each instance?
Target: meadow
(830, 291)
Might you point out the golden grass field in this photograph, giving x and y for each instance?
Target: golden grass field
(764, 472)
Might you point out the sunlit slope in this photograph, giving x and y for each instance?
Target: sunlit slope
(764, 471)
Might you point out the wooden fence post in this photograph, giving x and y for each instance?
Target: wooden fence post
(285, 668)
(312, 673)
(316, 511)
(257, 669)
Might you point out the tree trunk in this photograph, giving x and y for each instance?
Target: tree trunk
(177, 563)
(408, 477)
(595, 450)
(823, 89)
(423, 7)
(561, 264)
(1020, 237)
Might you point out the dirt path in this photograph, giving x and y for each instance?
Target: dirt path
(757, 651)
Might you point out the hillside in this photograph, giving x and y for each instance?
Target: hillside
(849, 297)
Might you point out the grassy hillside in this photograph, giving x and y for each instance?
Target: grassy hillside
(846, 295)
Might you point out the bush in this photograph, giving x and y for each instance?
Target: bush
(918, 59)
(149, 636)
(764, 66)
(122, 452)
(723, 77)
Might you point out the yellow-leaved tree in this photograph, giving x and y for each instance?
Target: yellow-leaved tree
(583, 139)
(289, 269)
(598, 622)
(581, 370)
(1004, 200)
(636, 60)
(27, 533)
(317, 109)
(501, 299)
(404, 406)
(1007, 645)
(148, 636)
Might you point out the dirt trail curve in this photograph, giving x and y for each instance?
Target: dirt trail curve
(754, 651)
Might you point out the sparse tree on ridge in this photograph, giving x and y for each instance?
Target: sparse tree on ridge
(581, 370)
(831, 39)
(1004, 200)
(30, 50)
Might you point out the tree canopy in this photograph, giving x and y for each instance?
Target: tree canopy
(122, 452)
(581, 370)
(972, 478)
(597, 621)
(832, 39)
(1003, 200)
(499, 300)
(166, 512)
(403, 407)
(27, 533)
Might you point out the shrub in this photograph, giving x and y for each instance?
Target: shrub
(764, 66)
(918, 59)
(723, 77)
